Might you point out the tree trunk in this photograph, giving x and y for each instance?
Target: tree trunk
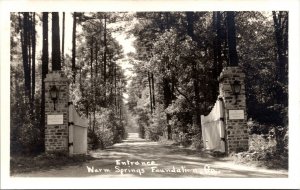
(197, 111)
(167, 92)
(74, 47)
(233, 58)
(96, 60)
(219, 43)
(63, 41)
(214, 24)
(214, 80)
(92, 84)
(56, 62)
(80, 83)
(190, 32)
(115, 85)
(104, 60)
(45, 60)
(281, 29)
(190, 18)
(217, 66)
(225, 49)
(33, 37)
(29, 63)
(95, 81)
(190, 25)
(150, 92)
(280, 96)
(24, 44)
(111, 80)
(120, 104)
(153, 92)
(167, 102)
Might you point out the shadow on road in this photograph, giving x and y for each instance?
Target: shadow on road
(136, 157)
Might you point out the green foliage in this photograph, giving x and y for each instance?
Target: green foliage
(257, 49)
(265, 146)
(108, 130)
(196, 138)
(26, 133)
(45, 161)
(157, 124)
(143, 122)
(100, 82)
(180, 52)
(263, 151)
(97, 90)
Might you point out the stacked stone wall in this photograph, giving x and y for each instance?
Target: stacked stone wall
(56, 136)
(236, 129)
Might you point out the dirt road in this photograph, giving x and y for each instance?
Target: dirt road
(136, 157)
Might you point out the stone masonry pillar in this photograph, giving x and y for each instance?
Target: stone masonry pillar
(235, 118)
(56, 131)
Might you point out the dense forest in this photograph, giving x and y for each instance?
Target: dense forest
(178, 58)
(97, 82)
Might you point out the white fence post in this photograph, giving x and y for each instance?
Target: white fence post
(71, 123)
(221, 123)
(77, 132)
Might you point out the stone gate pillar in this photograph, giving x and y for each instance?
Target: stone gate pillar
(56, 131)
(235, 118)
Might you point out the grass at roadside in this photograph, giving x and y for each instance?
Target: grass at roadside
(251, 159)
(24, 164)
(263, 153)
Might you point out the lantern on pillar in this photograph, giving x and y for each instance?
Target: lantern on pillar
(54, 94)
(236, 89)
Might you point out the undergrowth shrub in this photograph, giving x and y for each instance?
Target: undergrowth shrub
(142, 120)
(108, 130)
(157, 125)
(45, 161)
(197, 142)
(263, 149)
(26, 134)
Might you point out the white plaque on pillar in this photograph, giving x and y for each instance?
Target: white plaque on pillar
(55, 119)
(236, 114)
